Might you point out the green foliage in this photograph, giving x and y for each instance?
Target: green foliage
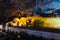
(38, 23)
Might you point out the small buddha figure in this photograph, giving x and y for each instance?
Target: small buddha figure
(19, 15)
(28, 22)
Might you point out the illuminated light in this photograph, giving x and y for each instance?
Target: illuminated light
(54, 22)
(19, 24)
(49, 22)
(14, 24)
(24, 19)
(28, 21)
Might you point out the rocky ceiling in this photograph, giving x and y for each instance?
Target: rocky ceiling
(11, 7)
(19, 4)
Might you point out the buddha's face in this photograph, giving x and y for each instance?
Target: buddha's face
(19, 14)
